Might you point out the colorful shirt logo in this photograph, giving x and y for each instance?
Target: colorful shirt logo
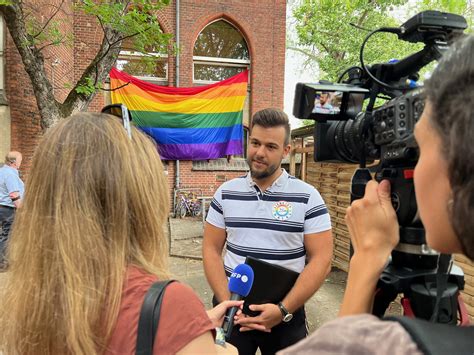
(282, 210)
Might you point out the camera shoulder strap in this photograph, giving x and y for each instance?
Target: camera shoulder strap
(150, 317)
(436, 338)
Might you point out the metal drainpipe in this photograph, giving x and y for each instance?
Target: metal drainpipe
(177, 182)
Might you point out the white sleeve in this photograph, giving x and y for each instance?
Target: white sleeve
(215, 215)
(317, 217)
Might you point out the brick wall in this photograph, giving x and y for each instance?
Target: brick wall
(262, 23)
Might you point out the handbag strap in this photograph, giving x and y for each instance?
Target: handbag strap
(150, 317)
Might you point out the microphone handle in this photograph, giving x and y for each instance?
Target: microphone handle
(228, 323)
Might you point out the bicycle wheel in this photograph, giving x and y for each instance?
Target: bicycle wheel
(182, 210)
(197, 209)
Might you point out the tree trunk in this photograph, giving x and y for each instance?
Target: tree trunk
(97, 71)
(33, 62)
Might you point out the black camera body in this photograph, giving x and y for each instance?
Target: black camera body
(345, 133)
(393, 126)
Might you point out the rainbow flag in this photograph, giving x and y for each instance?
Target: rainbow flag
(196, 123)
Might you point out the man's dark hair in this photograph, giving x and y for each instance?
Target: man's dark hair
(450, 91)
(272, 117)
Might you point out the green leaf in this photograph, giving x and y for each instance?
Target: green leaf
(324, 30)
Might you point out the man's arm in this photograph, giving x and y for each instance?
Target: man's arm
(319, 248)
(15, 197)
(212, 245)
(13, 184)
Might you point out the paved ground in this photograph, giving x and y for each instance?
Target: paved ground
(186, 265)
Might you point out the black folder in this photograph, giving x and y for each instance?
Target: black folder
(271, 283)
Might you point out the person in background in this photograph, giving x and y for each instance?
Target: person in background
(87, 245)
(11, 194)
(444, 187)
(273, 216)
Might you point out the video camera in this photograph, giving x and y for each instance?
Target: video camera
(345, 133)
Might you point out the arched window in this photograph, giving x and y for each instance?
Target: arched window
(220, 52)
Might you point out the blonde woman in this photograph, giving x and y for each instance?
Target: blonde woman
(88, 243)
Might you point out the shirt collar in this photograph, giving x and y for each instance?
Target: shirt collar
(278, 183)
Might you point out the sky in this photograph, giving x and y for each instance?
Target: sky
(293, 75)
(294, 70)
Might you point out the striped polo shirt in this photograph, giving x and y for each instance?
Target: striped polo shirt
(268, 225)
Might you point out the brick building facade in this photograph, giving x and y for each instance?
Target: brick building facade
(261, 24)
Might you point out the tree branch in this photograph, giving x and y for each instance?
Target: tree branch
(50, 44)
(49, 20)
(364, 14)
(123, 38)
(121, 86)
(306, 53)
(97, 70)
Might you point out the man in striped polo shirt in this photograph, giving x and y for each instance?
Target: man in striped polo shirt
(273, 216)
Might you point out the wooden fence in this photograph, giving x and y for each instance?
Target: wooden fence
(333, 183)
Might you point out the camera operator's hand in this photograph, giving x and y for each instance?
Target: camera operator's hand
(373, 226)
(372, 223)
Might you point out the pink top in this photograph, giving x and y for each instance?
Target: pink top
(182, 318)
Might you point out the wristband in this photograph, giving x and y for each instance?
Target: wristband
(220, 337)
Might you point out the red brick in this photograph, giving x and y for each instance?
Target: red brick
(261, 22)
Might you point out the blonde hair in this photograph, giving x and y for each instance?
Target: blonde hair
(95, 202)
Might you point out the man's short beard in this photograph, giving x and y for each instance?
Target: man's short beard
(258, 175)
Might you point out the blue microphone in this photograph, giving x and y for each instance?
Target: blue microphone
(240, 283)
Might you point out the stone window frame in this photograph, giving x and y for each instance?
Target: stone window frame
(221, 62)
(124, 54)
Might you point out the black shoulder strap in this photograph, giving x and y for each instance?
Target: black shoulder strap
(436, 338)
(150, 317)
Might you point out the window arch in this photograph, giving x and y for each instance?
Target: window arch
(220, 51)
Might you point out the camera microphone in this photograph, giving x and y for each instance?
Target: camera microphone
(240, 283)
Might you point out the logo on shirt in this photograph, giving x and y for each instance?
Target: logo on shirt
(282, 210)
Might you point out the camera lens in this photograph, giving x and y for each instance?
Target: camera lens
(349, 139)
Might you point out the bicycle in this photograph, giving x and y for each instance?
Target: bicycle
(187, 204)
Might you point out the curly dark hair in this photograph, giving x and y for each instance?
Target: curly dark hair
(450, 90)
